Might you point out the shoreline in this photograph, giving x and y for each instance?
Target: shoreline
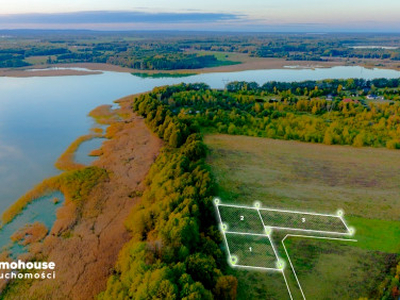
(46, 72)
(247, 64)
(65, 162)
(89, 226)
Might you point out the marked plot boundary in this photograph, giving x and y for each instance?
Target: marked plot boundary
(308, 237)
(349, 231)
(268, 231)
(271, 244)
(245, 220)
(232, 258)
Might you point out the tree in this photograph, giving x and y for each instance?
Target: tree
(393, 144)
(232, 129)
(314, 110)
(174, 139)
(359, 140)
(226, 288)
(328, 138)
(350, 84)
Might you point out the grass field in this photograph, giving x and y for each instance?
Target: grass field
(36, 60)
(336, 270)
(364, 182)
(226, 56)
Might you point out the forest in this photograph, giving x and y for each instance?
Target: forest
(182, 50)
(176, 245)
(302, 114)
(174, 251)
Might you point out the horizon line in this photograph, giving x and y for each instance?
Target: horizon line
(320, 32)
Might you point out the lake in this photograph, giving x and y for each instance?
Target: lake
(41, 116)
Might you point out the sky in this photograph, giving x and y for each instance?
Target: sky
(208, 15)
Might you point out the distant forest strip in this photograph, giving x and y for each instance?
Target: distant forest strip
(171, 51)
(174, 252)
(299, 112)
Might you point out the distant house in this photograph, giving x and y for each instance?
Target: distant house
(329, 98)
(371, 97)
(273, 100)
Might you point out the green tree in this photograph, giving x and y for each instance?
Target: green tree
(226, 288)
(174, 139)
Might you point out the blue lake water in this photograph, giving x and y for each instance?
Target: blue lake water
(82, 154)
(41, 116)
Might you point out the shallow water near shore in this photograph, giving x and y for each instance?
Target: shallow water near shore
(41, 210)
(82, 154)
(41, 116)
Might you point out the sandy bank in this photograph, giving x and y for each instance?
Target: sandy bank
(95, 68)
(40, 71)
(247, 63)
(85, 247)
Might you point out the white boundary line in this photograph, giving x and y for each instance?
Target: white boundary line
(223, 233)
(262, 220)
(259, 235)
(278, 210)
(287, 285)
(348, 233)
(321, 238)
(311, 230)
(269, 237)
(344, 222)
(245, 233)
(293, 270)
(257, 268)
(276, 252)
(293, 212)
(309, 237)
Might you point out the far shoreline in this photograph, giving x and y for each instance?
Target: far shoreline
(251, 63)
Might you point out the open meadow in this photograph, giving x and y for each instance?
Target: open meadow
(316, 178)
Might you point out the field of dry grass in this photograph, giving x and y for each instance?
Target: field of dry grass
(364, 182)
(317, 178)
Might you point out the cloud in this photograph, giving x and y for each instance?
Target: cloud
(188, 20)
(115, 17)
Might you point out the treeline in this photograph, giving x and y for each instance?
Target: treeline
(174, 252)
(145, 54)
(390, 287)
(323, 87)
(309, 120)
(8, 60)
(141, 50)
(142, 60)
(167, 61)
(389, 89)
